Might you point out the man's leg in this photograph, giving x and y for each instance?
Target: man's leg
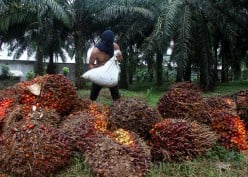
(115, 92)
(95, 89)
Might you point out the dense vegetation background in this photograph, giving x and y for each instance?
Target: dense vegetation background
(208, 37)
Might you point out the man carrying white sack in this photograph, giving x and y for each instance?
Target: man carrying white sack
(100, 55)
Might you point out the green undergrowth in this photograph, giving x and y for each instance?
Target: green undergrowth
(202, 168)
(151, 93)
(229, 88)
(218, 162)
(145, 91)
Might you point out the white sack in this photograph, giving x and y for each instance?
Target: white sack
(106, 75)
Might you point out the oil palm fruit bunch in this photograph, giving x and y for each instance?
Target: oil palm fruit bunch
(231, 130)
(118, 153)
(242, 105)
(179, 140)
(39, 151)
(184, 101)
(12, 93)
(221, 103)
(81, 105)
(49, 92)
(134, 115)
(17, 121)
(5, 104)
(79, 128)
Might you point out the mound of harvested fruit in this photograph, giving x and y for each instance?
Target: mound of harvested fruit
(118, 154)
(39, 151)
(178, 140)
(134, 115)
(184, 101)
(231, 130)
(49, 92)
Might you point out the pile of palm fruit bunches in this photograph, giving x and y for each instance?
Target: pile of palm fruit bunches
(43, 121)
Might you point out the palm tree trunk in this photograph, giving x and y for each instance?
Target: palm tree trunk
(51, 67)
(39, 65)
(123, 76)
(207, 80)
(149, 60)
(132, 66)
(224, 61)
(187, 74)
(215, 48)
(79, 83)
(159, 67)
(224, 70)
(179, 77)
(236, 70)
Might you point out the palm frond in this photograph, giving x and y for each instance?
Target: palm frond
(12, 19)
(134, 29)
(30, 51)
(19, 51)
(2, 5)
(4, 24)
(221, 20)
(116, 11)
(69, 48)
(234, 11)
(58, 11)
(12, 14)
(182, 41)
(165, 24)
(44, 6)
(61, 54)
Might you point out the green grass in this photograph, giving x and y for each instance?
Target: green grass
(203, 168)
(150, 96)
(229, 88)
(146, 91)
(151, 93)
(76, 169)
(218, 163)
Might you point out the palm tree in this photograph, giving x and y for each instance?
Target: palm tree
(233, 47)
(47, 41)
(131, 20)
(157, 42)
(40, 29)
(177, 21)
(89, 18)
(84, 24)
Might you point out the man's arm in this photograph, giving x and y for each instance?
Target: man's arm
(119, 55)
(92, 58)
